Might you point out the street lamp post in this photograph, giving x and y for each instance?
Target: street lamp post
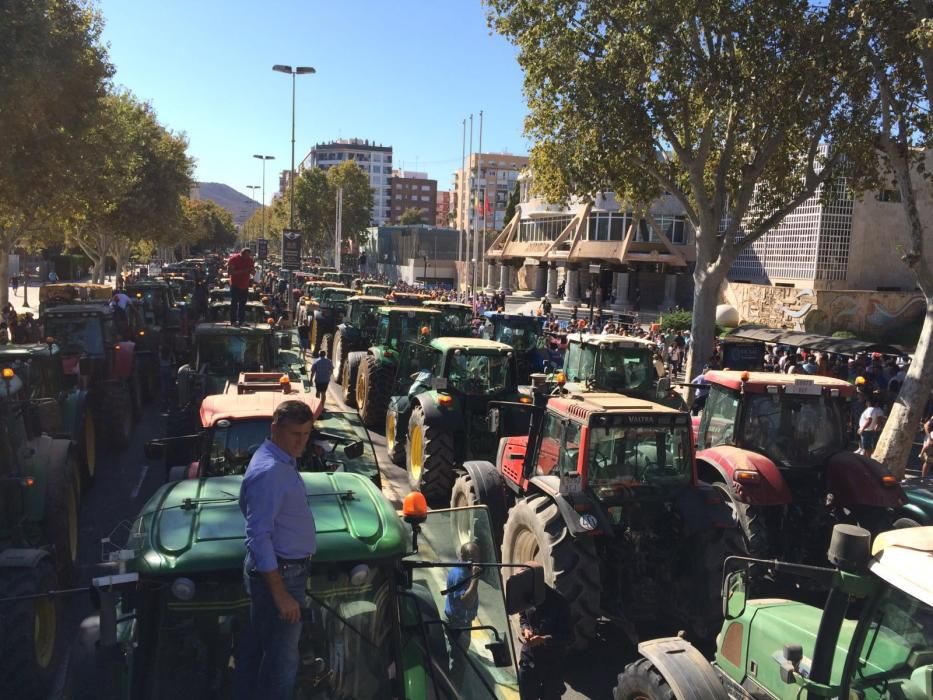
(263, 203)
(252, 189)
(298, 70)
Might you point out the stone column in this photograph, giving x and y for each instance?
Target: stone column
(552, 282)
(490, 277)
(505, 278)
(670, 291)
(541, 280)
(621, 291)
(571, 288)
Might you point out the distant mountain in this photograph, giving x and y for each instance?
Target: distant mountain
(238, 204)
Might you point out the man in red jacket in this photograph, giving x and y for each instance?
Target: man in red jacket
(240, 267)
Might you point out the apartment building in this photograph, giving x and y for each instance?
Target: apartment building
(375, 160)
(413, 190)
(483, 190)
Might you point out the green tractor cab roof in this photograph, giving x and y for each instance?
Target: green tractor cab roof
(406, 310)
(469, 344)
(224, 328)
(195, 526)
(12, 353)
(367, 299)
(611, 339)
(79, 310)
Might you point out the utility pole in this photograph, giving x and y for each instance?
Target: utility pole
(467, 222)
(460, 236)
(476, 242)
(263, 203)
(338, 227)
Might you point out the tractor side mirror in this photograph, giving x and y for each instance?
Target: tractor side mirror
(501, 657)
(525, 588)
(734, 594)
(493, 419)
(354, 450)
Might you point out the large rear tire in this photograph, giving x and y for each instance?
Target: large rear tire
(372, 391)
(60, 519)
(486, 489)
(395, 443)
(642, 681)
(339, 358)
(88, 447)
(31, 642)
(351, 369)
(750, 521)
(535, 530)
(431, 459)
(327, 343)
(315, 336)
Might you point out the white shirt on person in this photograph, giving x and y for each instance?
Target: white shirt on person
(867, 415)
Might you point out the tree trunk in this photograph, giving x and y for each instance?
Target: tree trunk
(897, 438)
(706, 284)
(121, 255)
(4, 276)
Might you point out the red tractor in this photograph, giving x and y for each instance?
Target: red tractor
(603, 492)
(779, 448)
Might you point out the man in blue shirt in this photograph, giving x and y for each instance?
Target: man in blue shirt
(462, 606)
(280, 539)
(321, 369)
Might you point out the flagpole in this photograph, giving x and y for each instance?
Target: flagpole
(468, 185)
(479, 158)
(460, 276)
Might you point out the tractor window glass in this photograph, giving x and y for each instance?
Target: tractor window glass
(572, 361)
(382, 332)
(478, 375)
(229, 354)
(570, 453)
(76, 335)
(552, 435)
(718, 423)
(585, 366)
(637, 455)
(793, 430)
(896, 657)
(626, 370)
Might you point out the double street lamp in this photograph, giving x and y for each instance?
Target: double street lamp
(288, 70)
(263, 203)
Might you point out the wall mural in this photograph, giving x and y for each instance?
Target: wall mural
(823, 311)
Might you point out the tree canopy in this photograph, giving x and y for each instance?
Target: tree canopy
(740, 109)
(411, 216)
(316, 204)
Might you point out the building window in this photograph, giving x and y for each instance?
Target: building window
(425, 198)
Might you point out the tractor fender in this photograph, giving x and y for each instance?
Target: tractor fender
(685, 669)
(856, 480)
(433, 415)
(21, 557)
(47, 454)
(421, 383)
(402, 405)
(379, 353)
(594, 521)
(915, 513)
(74, 405)
(349, 332)
(725, 460)
(703, 508)
(123, 359)
(490, 489)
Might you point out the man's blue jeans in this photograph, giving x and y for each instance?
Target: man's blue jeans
(238, 299)
(267, 658)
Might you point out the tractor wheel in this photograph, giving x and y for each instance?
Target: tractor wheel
(89, 447)
(431, 459)
(535, 529)
(395, 443)
(642, 681)
(32, 632)
(314, 337)
(372, 391)
(327, 344)
(339, 358)
(750, 520)
(351, 369)
(116, 415)
(60, 519)
(487, 489)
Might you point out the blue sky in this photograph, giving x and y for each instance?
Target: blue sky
(401, 72)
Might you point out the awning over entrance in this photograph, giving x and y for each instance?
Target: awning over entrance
(812, 341)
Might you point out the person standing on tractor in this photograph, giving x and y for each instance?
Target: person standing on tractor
(240, 267)
(280, 539)
(545, 631)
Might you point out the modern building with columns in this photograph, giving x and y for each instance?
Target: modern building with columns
(600, 246)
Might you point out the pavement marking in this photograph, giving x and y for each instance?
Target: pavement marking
(139, 483)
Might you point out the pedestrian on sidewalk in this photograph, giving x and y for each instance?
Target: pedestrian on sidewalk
(14, 282)
(321, 370)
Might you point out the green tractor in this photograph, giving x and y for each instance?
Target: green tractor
(357, 330)
(371, 377)
(40, 487)
(171, 621)
(872, 640)
(39, 368)
(326, 316)
(457, 319)
(442, 419)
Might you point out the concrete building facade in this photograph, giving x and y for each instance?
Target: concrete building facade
(483, 190)
(414, 254)
(375, 160)
(413, 190)
(443, 209)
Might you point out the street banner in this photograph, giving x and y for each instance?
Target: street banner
(291, 249)
(262, 248)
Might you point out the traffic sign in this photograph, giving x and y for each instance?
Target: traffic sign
(291, 249)
(262, 248)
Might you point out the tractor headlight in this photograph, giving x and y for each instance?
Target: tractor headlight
(183, 588)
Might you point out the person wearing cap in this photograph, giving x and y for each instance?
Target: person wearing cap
(240, 268)
(280, 539)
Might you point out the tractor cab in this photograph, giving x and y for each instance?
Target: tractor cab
(63, 293)
(219, 311)
(38, 367)
(408, 298)
(156, 302)
(742, 354)
(526, 336)
(376, 290)
(398, 324)
(81, 331)
(457, 318)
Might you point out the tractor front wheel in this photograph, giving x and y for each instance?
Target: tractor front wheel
(483, 485)
(535, 530)
(642, 681)
(351, 369)
(750, 520)
(339, 358)
(372, 391)
(431, 459)
(395, 443)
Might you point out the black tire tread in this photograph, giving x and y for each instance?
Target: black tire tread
(396, 449)
(377, 395)
(438, 471)
(641, 679)
(571, 566)
(350, 375)
(339, 357)
(60, 483)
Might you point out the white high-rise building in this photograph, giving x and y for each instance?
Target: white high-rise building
(376, 162)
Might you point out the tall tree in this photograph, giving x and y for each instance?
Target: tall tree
(741, 109)
(512, 205)
(208, 224)
(316, 201)
(897, 42)
(53, 71)
(411, 216)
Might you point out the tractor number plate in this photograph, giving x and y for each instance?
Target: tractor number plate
(805, 388)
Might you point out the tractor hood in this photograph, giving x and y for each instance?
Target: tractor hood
(195, 526)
